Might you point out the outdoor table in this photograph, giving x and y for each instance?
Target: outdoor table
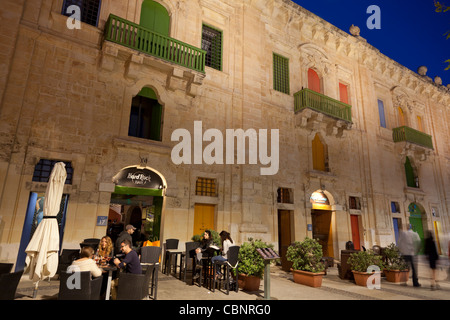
(110, 269)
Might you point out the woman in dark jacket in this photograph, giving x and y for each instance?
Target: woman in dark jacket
(431, 252)
(206, 242)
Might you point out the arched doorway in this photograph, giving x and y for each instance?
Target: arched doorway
(322, 221)
(139, 192)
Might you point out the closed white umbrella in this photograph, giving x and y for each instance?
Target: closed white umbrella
(42, 251)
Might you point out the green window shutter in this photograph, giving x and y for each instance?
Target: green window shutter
(280, 73)
(409, 171)
(146, 116)
(212, 44)
(155, 17)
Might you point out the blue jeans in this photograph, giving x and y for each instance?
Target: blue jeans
(218, 258)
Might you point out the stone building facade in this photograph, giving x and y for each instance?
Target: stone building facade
(362, 140)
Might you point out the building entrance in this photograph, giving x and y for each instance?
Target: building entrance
(137, 200)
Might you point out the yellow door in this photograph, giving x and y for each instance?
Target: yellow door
(437, 232)
(203, 218)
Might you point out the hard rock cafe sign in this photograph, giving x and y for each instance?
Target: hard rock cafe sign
(138, 177)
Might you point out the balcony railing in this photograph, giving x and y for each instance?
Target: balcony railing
(307, 98)
(131, 35)
(411, 135)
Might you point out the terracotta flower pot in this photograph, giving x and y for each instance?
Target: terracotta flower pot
(397, 275)
(249, 283)
(310, 279)
(361, 277)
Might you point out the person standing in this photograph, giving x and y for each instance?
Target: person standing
(431, 252)
(124, 235)
(409, 245)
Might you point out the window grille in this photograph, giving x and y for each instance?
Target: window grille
(280, 73)
(90, 10)
(284, 195)
(44, 168)
(206, 187)
(212, 44)
(355, 203)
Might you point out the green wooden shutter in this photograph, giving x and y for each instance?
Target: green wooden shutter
(155, 17)
(410, 181)
(280, 73)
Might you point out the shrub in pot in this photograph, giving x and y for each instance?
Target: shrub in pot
(395, 267)
(251, 264)
(360, 263)
(307, 266)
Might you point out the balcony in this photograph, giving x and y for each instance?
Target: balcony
(411, 135)
(313, 106)
(131, 35)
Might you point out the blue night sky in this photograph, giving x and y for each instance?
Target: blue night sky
(411, 33)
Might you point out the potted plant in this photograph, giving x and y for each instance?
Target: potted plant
(360, 263)
(251, 264)
(395, 267)
(307, 267)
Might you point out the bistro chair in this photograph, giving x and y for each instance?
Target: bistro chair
(170, 244)
(66, 258)
(186, 260)
(231, 263)
(90, 242)
(133, 286)
(150, 260)
(5, 267)
(8, 284)
(81, 286)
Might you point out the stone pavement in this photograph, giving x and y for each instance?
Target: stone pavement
(282, 288)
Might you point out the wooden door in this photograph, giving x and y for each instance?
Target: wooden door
(354, 219)
(203, 218)
(284, 237)
(322, 230)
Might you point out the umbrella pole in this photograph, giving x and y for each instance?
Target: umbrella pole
(36, 285)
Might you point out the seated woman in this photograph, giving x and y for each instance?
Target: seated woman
(227, 242)
(86, 263)
(105, 249)
(207, 241)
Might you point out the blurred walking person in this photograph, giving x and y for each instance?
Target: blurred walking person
(432, 254)
(409, 245)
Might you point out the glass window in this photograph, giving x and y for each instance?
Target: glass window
(206, 187)
(381, 114)
(145, 116)
(44, 168)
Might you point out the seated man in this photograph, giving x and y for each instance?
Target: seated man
(131, 261)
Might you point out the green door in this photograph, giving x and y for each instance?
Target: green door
(415, 219)
(155, 17)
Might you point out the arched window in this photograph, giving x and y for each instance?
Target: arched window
(313, 81)
(146, 116)
(155, 17)
(411, 179)
(319, 154)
